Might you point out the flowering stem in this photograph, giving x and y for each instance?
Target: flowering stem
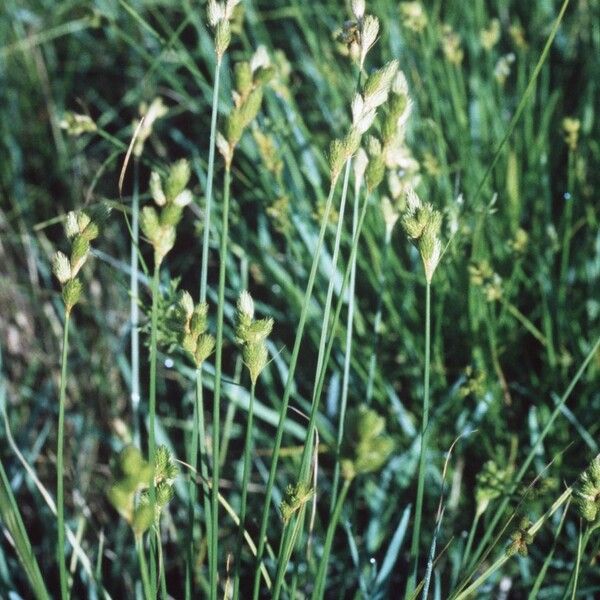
(139, 543)
(60, 502)
(414, 550)
(319, 589)
(152, 406)
(347, 359)
(198, 448)
(288, 388)
(321, 363)
(245, 481)
(134, 304)
(378, 314)
(567, 233)
(218, 383)
(209, 183)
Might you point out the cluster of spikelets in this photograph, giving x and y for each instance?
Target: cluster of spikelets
(192, 327)
(294, 498)
(366, 447)
(220, 16)
(250, 80)
(133, 477)
(587, 492)
(81, 229)
(251, 334)
(171, 196)
(422, 224)
(490, 484)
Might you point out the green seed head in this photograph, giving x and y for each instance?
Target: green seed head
(294, 498)
(366, 447)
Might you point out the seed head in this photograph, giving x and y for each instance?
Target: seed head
(587, 492)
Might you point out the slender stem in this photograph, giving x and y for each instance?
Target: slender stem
(286, 549)
(139, 543)
(319, 589)
(321, 364)
(469, 545)
(568, 225)
(152, 407)
(60, 500)
(378, 314)
(414, 550)
(347, 359)
(338, 310)
(198, 446)
(161, 566)
(134, 305)
(580, 547)
(289, 384)
(218, 384)
(209, 182)
(199, 434)
(245, 481)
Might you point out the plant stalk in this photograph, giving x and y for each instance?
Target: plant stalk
(218, 384)
(245, 482)
(60, 500)
(414, 549)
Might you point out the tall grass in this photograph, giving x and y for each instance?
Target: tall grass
(374, 368)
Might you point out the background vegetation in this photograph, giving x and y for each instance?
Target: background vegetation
(515, 299)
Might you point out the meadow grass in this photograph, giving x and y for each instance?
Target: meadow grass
(390, 213)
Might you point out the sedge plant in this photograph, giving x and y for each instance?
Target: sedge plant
(81, 229)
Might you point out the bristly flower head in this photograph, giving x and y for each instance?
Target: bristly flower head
(250, 79)
(571, 129)
(171, 195)
(251, 335)
(151, 113)
(75, 124)
(413, 16)
(294, 498)
(587, 492)
(81, 229)
(132, 477)
(220, 15)
(191, 322)
(422, 224)
(366, 447)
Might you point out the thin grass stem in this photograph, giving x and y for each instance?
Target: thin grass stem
(244, 500)
(60, 500)
(218, 385)
(416, 537)
(289, 386)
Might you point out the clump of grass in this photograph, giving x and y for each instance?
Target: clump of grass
(493, 174)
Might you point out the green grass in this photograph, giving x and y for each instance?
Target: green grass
(513, 327)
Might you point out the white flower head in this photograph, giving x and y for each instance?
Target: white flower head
(61, 267)
(358, 106)
(361, 160)
(370, 30)
(156, 189)
(358, 9)
(215, 12)
(413, 201)
(229, 8)
(183, 198)
(187, 304)
(400, 84)
(245, 304)
(71, 225)
(260, 59)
